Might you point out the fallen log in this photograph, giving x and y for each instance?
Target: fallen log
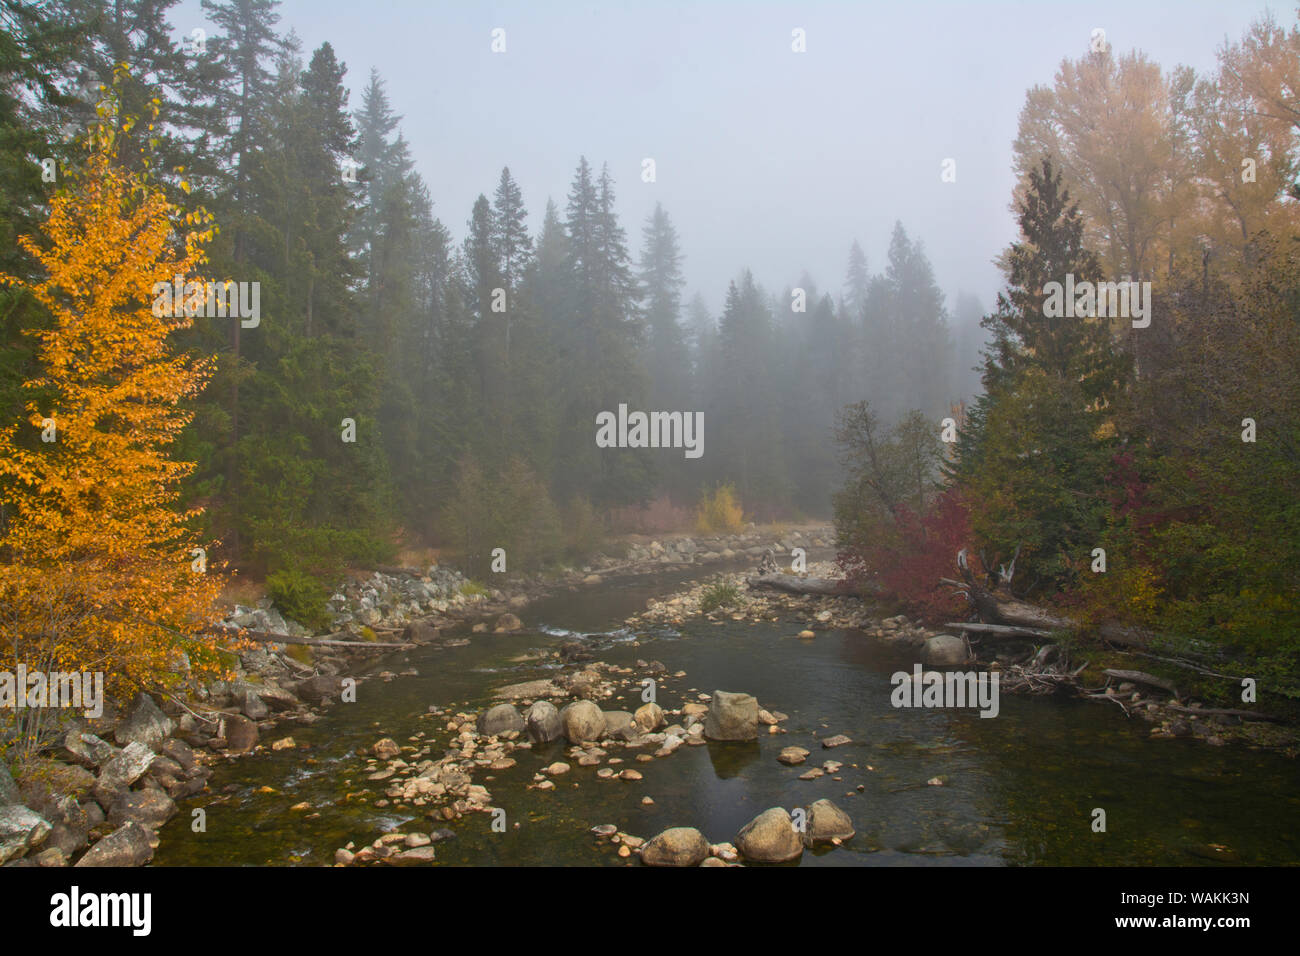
(1225, 712)
(793, 584)
(1142, 677)
(274, 637)
(1002, 631)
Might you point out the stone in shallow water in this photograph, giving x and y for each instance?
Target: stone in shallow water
(770, 838)
(676, 846)
(827, 823)
(792, 756)
(839, 740)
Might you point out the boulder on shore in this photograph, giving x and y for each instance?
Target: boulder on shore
(944, 650)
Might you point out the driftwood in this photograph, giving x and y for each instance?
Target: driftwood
(274, 637)
(1142, 677)
(1225, 712)
(794, 584)
(1000, 631)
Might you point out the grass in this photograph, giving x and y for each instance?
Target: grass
(719, 595)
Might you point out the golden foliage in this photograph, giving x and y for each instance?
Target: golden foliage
(96, 555)
(719, 512)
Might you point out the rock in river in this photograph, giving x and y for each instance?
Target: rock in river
(677, 846)
(500, 719)
(732, 717)
(582, 721)
(770, 838)
(826, 822)
(544, 724)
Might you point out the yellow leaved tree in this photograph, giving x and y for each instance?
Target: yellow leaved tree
(100, 568)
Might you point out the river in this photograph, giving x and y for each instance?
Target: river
(1017, 789)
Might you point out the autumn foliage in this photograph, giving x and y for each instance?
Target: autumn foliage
(98, 563)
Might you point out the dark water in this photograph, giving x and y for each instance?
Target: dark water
(1019, 789)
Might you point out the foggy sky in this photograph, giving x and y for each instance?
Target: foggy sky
(765, 158)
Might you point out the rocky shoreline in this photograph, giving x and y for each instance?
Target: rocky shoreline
(101, 795)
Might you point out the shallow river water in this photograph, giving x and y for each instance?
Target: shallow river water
(1019, 788)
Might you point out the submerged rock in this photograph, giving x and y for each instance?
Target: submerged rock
(543, 722)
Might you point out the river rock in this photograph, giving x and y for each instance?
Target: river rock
(543, 722)
(385, 749)
(528, 689)
(129, 845)
(182, 753)
(254, 707)
(944, 650)
(731, 717)
(619, 724)
(87, 749)
(421, 632)
(792, 756)
(649, 717)
(826, 822)
(770, 838)
(151, 808)
(318, 688)
(508, 623)
(124, 769)
(21, 829)
(239, 732)
(677, 846)
(501, 719)
(582, 721)
(145, 724)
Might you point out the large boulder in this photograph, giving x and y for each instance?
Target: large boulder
(944, 650)
(88, 749)
(20, 830)
(421, 632)
(318, 688)
(582, 721)
(124, 769)
(240, 733)
(500, 719)
(678, 846)
(129, 845)
(731, 717)
(826, 822)
(619, 724)
(770, 838)
(145, 724)
(508, 623)
(543, 721)
(151, 808)
(649, 717)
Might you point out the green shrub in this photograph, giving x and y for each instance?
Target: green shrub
(299, 597)
(718, 596)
